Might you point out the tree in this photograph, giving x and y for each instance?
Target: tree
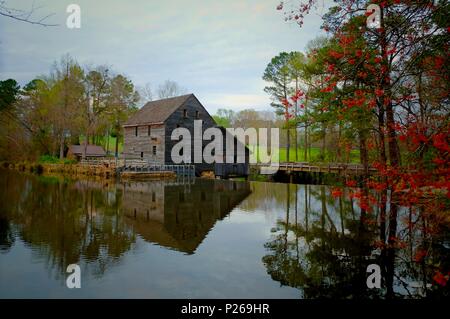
(224, 117)
(379, 82)
(67, 83)
(9, 91)
(278, 74)
(98, 91)
(170, 89)
(121, 103)
(145, 93)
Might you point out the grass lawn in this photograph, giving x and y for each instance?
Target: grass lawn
(315, 153)
(102, 142)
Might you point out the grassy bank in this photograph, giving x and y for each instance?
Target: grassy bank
(69, 169)
(314, 155)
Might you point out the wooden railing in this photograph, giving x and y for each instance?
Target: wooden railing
(147, 167)
(139, 165)
(340, 168)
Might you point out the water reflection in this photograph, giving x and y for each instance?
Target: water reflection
(213, 238)
(323, 245)
(97, 222)
(179, 216)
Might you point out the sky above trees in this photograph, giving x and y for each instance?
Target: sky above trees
(213, 48)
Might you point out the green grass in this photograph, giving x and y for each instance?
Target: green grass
(314, 155)
(102, 143)
(48, 159)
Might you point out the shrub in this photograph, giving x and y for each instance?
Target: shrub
(48, 159)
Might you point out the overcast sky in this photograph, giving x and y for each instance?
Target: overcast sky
(216, 49)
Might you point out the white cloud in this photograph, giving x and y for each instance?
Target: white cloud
(216, 49)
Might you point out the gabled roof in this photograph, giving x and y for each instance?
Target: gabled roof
(91, 150)
(157, 111)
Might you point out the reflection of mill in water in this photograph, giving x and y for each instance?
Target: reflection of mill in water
(179, 215)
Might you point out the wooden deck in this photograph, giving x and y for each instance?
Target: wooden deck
(335, 168)
(121, 166)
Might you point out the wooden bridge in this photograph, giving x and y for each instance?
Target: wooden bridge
(335, 168)
(139, 166)
(145, 167)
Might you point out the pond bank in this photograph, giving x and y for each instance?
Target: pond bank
(108, 172)
(65, 169)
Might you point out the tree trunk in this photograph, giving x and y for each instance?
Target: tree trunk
(117, 146)
(296, 116)
(288, 142)
(394, 154)
(107, 142)
(61, 146)
(363, 154)
(306, 131)
(324, 142)
(86, 142)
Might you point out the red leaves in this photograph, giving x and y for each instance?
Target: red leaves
(362, 75)
(351, 183)
(440, 142)
(328, 88)
(440, 279)
(298, 94)
(439, 161)
(354, 102)
(345, 40)
(336, 192)
(420, 255)
(335, 54)
(379, 92)
(285, 102)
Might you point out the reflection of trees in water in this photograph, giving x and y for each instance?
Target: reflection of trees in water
(322, 246)
(6, 235)
(94, 224)
(66, 222)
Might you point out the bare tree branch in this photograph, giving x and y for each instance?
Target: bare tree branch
(25, 15)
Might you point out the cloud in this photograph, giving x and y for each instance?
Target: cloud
(235, 102)
(216, 49)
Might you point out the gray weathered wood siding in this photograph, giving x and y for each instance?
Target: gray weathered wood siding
(134, 145)
(183, 116)
(192, 105)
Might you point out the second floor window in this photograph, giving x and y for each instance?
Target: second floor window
(154, 150)
(185, 113)
(136, 131)
(197, 115)
(149, 130)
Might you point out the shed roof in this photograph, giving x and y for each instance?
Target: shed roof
(157, 111)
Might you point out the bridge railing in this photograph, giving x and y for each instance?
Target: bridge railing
(318, 167)
(146, 167)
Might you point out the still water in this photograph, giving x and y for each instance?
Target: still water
(199, 239)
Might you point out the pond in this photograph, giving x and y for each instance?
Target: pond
(204, 239)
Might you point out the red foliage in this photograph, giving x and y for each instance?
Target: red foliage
(440, 279)
(336, 192)
(420, 255)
